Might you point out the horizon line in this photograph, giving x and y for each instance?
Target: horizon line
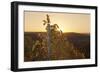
(63, 32)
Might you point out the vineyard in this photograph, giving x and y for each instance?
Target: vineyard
(55, 45)
(36, 46)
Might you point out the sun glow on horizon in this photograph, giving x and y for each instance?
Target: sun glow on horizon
(67, 22)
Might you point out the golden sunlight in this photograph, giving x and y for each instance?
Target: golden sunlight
(67, 22)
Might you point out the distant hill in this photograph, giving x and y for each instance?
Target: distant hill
(78, 39)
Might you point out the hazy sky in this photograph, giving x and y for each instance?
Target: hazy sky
(68, 22)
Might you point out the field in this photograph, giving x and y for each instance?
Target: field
(63, 47)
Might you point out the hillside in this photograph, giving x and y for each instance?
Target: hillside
(68, 46)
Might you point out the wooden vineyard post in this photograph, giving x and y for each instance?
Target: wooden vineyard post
(47, 21)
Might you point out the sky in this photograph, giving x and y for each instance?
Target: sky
(67, 22)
